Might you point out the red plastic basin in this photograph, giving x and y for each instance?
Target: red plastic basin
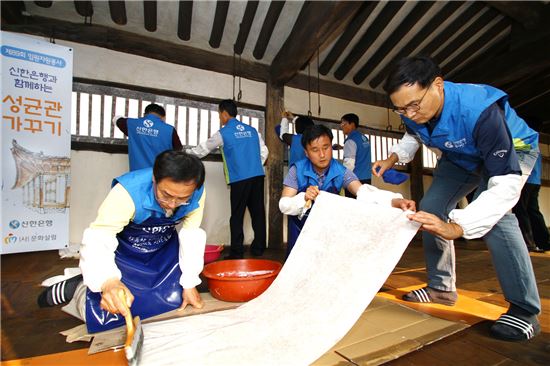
(212, 252)
(240, 280)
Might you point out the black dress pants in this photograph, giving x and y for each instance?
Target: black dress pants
(248, 193)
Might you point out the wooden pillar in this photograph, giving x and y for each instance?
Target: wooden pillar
(417, 183)
(275, 164)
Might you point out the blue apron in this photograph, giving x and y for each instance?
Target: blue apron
(150, 270)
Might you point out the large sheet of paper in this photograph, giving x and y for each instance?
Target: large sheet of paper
(344, 254)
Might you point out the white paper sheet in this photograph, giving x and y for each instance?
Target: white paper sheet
(341, 259)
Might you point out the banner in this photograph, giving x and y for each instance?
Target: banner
(36, 144)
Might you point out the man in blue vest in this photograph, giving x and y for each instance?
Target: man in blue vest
(484, 145)
(321, 172)
(244, 154)
(132, 256)
(148, 136)
(294, 141)
(356, 149)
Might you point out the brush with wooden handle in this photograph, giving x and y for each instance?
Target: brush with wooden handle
(134, 334)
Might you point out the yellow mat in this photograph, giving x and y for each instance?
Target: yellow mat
(467, 309)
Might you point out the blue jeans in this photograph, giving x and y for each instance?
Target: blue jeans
(505, 241)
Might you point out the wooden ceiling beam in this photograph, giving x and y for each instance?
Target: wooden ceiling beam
(450, 30)
(530, 14)
(244, 27)
(419, 10)
(84, 8)
(422, 34)
(469, 32)
(316, 23)
(122, 41)
(270, 21)
(484, 39)
(371, 34)
(530, 89)
(185, 16)
(507, 68)
(220, 17)
(118, 12)
(341, 91)
(150, 15)
(343, 42)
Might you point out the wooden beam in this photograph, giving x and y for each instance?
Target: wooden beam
(450, 30)
(351, 30)
(342, 91)
(420, 9)
(316, 22)
(150, 15)
(371, 34)
(444, 14)
(530, 14)
(137, 44)
(469, 32)
(417, 178)
(185, 15)
(118, 12)
(84, 8)
(530, 89)
(475, 46)
(270, 21)
(222, 7)
(244, 27)
(527, 60)
(275, 163)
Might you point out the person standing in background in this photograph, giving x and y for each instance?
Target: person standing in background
(531, 221)
(148, 136)
(244, 154)
(356, 150)
(294, 141)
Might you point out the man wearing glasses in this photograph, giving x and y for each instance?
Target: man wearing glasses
(132, 255)
(483, 144)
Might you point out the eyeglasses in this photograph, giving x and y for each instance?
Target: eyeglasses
(413, 107)
(166, 198)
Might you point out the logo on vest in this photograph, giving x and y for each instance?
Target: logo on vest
(500, 153)
(240, 127)
(242, 133)
(455, 144)
(147, 129)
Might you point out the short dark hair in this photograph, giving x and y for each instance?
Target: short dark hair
(351, 118)
(303, 122)
(155, 108)
(409, 71)
(179, 167)
(314, 132)
(228, 106)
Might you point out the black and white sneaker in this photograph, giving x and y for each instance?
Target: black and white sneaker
(59, 293)
(515, 328)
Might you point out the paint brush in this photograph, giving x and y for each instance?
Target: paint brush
(134, 335)
(305, 209)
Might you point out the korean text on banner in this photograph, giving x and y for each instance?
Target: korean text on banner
(36, 144)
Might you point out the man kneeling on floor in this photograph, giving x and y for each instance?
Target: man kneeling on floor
(320, 172)
(133, 247)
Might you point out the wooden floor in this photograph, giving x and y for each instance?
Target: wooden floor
(27, 330)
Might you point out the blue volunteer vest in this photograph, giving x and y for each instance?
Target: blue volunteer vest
(463, 105)
(147, 137)
(362, 167)
(147, 255)
(240, 151)
(296, 150)
(333, 183)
